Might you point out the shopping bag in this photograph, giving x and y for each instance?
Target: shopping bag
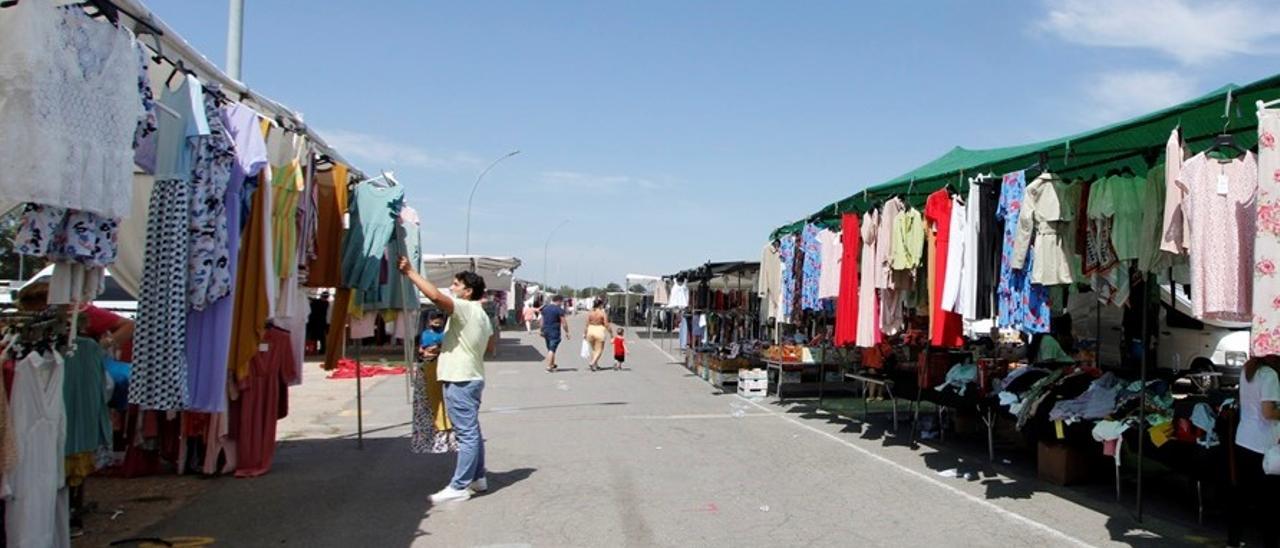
(1271, 461)
(586, 350)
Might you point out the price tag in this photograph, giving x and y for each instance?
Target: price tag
(346, 221)
(1223, 184)
(1057, 426)
(263, 347)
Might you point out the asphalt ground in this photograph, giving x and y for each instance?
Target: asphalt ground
(648, 456)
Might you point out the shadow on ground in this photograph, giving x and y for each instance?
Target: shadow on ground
(335, 493)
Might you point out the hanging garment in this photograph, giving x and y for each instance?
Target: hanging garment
(868, 322)
(252, 304)
(407, 242)
(209, 330)
(908, 240)
(1020, 304)
(373, 215)
(847, 303)
(70, 111)
(811, 268)
(1150, 258)
(829, 280)
(884, 243)
(955, 257)
(36, 512)
(679, 295)
(287, 184)
(946, 327)
(990, 246)
(335, 341)
(308, 218)
(1128, 194)
(768, 284)
(1070, 197)
(325, 270)
(66, 235)
(432, 430)
(160, 367)
(85, 399)
(969, 275)
(210, 273)
(1266, 250)
(787, 255)
(264, 399)
(1221, 211)
(1046, 219)
(1174, 225)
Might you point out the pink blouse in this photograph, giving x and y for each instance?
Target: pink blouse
(1220, 209)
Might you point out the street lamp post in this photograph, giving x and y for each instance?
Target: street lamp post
(545, 252)
(473, 194)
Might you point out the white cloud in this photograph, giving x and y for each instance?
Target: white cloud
(386, 153)
(1190, 31)
(574, 180)
(1118, 95)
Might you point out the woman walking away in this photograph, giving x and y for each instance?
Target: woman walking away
(530, 314)
(1259, 430)
(598, 330)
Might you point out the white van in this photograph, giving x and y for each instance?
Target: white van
(1184, 344)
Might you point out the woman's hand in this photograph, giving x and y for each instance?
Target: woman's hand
(404, 265)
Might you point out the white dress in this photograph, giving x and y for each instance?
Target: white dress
(679, 296)
(955, 258)
(70, 108)
(867, 302)
(36, 513)
(969, 270)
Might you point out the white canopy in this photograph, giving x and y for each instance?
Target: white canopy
(650, 283)
(498, 272)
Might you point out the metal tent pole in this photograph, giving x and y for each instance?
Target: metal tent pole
(1146, 357)
(359, 398)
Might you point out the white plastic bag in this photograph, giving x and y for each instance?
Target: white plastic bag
(1271, 461)
(586, 350)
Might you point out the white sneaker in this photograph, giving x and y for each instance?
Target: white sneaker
(479, 486)
(449, 494)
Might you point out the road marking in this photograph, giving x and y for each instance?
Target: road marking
(694, 417)
(999, 510)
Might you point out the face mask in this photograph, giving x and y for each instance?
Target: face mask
(438, 328)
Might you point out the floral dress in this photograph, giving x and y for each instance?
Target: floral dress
(1266, 279)
(787, 255)
(811, 267)
(1021, 305)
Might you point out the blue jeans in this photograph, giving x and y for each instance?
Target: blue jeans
(462, 400)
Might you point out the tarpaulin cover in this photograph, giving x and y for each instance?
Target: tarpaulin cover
(347, 370)
(1130, 143)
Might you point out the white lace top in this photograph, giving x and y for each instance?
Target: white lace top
(69, 106)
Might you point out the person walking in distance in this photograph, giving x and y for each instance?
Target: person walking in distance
(598, 331)
(530, 314)
(554, 323)
(461, 370)
(619, 350)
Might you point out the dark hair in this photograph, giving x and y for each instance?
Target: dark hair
(472, 281)
(557, 299)
(1251, 366)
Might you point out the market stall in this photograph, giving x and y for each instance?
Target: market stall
(216, 208)
(957, 283)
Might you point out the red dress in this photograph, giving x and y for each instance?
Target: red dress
(947, 327)
(264, 399)
(847, 300)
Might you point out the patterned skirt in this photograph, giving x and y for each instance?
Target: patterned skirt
(159, 350)
(426, 438)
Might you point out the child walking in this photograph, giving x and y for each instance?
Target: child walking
(619, 350)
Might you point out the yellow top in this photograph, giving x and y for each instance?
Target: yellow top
(466, 337)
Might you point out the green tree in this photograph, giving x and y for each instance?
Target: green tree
(637, 288)
(612, 288)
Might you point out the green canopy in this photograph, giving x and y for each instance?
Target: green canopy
(1136, 143)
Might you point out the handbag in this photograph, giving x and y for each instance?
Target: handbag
(1271, 461)
(586, 350)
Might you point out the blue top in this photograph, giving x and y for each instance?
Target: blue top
(430, 338)
(551, 315)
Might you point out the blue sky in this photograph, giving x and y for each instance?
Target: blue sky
(670, 133)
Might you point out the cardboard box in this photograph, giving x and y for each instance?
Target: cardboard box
(1062, 464)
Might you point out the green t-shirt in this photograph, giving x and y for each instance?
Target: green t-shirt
(466, 337)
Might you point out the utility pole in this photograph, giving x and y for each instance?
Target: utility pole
(235, 38)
